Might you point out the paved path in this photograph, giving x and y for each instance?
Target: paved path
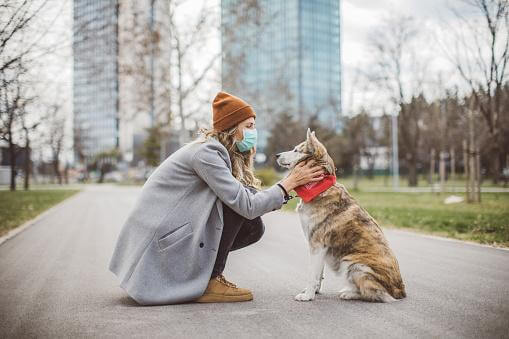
(54, 282)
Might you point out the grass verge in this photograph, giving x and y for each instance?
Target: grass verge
(486, 223)
(20, 206)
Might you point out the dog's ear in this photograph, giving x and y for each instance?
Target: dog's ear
(314, 144)
(329, 165)
(312, 141)
(309, 141)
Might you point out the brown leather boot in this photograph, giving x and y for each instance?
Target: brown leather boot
(221, 290)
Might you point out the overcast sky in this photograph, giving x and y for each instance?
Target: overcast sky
(360, 17)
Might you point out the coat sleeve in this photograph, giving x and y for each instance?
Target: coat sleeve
(210, 165)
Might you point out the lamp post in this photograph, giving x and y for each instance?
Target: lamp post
(395, 159)
(152, 42)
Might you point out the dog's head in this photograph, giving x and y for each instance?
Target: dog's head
(307, 150)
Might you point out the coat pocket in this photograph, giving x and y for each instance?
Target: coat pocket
(174, 236)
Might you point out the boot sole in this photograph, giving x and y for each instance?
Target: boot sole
(221, 298)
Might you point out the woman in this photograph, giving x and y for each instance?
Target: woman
(198, 205)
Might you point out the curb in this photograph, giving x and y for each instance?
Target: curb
(438, 237)
(14, 232)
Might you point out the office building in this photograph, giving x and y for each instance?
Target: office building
(284, 55)
(120, 82)
(95, 87)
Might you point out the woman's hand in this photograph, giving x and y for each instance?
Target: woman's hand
(302, 174)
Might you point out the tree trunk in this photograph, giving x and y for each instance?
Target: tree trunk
(56, 169)
(471, 164)
(66, 174)
(101, 177)
(478, 174)
(371, 168)
(412, 170)
(431, 167)
(442, 171)
(355, 173)
(472, 158)
(412, 175)
(27, 163)
(465, 170)
(453, 164)
(12, 156)
(496, 161)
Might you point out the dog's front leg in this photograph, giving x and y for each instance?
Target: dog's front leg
(317, 263)
(319, 289)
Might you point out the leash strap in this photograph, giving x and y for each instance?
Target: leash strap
(287, 196)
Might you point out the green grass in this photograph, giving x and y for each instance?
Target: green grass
(378, 182)
(20, 206)
(486, 223)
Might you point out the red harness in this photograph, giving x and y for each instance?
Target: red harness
(310, 190)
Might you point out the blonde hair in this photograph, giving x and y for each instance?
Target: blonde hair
(242, 162)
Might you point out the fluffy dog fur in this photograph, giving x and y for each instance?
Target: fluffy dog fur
(343, 235)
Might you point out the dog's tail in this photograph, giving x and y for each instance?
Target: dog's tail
(399, 293)
(370, 289)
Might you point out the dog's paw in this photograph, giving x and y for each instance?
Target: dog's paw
(304, 297)
(348, 295)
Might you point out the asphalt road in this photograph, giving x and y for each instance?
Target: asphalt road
(54, 282)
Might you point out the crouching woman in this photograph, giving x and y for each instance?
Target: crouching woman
(201, 203)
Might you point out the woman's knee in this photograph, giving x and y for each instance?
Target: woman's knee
(252, 232)
(258, 229)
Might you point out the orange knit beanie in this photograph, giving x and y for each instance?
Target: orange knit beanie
(228, 111)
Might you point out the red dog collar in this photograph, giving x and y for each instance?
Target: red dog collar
(310, 190)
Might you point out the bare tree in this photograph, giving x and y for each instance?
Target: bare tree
(188, 41)
(28, 128)
(16, 17)
(400, 73)
(23, 25)
(55, 137)
(165, 63)
(11, 110)
(480, 53)
(144, 60)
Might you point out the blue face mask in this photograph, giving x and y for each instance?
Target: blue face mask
(249, 140)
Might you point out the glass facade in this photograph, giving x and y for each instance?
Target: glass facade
(95, 88)
(290, 58)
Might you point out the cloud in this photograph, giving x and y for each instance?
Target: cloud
(360, 17)
(368, 4)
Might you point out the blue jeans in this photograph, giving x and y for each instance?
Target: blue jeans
(238, 232)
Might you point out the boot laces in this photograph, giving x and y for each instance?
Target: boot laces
(223, 280)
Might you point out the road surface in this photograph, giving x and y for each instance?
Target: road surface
(54, 282)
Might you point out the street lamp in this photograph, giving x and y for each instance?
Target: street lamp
(152, 42)
(395, 160)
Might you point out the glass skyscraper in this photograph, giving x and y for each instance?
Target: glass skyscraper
(121, 83)
(95, 88)
(284, 55)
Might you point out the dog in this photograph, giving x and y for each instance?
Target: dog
(343, 235)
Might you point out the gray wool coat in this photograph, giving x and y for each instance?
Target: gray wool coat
(166, 249)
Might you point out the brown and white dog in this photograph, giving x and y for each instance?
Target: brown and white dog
(343, 235)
